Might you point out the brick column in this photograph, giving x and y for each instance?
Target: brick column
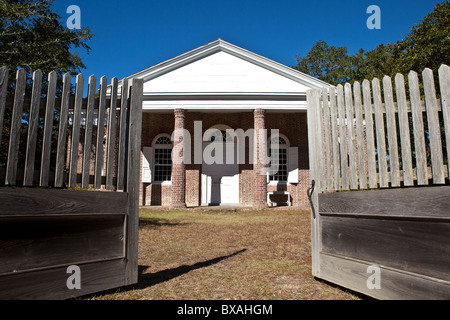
(178, 166)
(259, 156)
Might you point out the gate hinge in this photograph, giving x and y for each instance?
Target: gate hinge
(310, 192)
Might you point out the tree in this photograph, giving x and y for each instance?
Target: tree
(33, 37)
(383, 60)
(328, 63)
(426, 46)
(428, 43)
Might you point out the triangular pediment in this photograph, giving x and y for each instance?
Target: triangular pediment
(222, 72)
(221, 68)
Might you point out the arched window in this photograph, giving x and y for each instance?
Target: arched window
(282, 155)
(162, 167)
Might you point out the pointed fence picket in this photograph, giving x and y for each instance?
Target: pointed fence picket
(380, 199)
(379, 139)
(61, 218)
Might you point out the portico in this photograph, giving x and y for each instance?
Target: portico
(213, 89)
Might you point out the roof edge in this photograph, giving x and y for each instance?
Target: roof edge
(222, 45)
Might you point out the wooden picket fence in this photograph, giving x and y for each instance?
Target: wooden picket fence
(379, 185)
(354, 126)
(44, 227)
(93, 111)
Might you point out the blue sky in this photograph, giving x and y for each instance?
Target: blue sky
(133, 35)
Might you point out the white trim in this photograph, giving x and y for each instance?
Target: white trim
(224, 104)
(147, 164)
(293, 165)
(163, 183)
(227, 94)
(221, 45)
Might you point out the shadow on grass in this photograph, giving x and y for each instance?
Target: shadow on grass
(146, 280)
(155, 222)
(150, 279)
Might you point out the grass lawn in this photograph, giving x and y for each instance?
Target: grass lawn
(225, 255)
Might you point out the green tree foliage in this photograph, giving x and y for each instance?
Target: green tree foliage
(33, 36)
(428, 43)
(328, 63)
(426, 46)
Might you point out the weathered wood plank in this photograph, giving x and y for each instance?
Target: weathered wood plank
(50, 284)
(370, 139)
(392, 131)
(388, 242)
(100, 132)
(444, 84)
(314, 103)
(328, 147)
(360, 137)
(342, 138)
(419, 135)
(4, 73)
(335, 139)
(48, 126)
(111, 143)
(395, 284)
(405, 137)
(322, 177)
(380, 132)
(45, 202)
(75, 138)
(351, 137)
(134, 161)
(14, 139)
(46, 241)
(88, 132)
(434, 128)
(33, 123)
(123, 130)
(63, 118)
(412, 203)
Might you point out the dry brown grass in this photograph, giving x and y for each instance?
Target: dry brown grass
(226, 255)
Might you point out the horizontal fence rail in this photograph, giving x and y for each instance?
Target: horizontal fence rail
(61, 147)
(386, 143)
(381, 134)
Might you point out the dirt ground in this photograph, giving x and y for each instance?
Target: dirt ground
(226, 254)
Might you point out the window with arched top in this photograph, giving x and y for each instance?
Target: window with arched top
(279, 152)
(157, 160)
(162, 166)
(164, 140)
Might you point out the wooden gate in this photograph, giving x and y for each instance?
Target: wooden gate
(379, 186)
(60, 236)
